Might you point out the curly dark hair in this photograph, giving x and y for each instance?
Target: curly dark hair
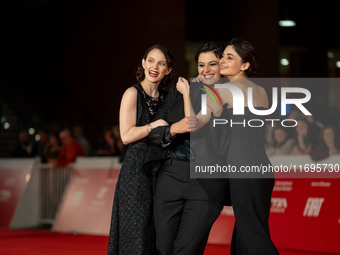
(215, 47)
(165, 83)
(246, 51)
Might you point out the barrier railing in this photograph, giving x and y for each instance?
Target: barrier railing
(52, 184)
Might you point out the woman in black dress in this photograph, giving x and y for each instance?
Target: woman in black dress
(250, 194)
(132, 226)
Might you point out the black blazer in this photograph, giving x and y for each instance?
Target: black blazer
(172, 111)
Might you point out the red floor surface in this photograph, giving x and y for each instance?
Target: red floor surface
(32, 242)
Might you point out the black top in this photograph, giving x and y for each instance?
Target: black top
(244, 142)
(132, 228)
(147, 106)
(172, 111)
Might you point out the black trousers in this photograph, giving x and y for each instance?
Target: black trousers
(251, 203)
(183, 213)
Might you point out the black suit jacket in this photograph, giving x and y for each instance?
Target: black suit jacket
(172, 111)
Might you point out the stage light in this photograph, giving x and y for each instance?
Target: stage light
(287, 23)
(330, 54)
(337, 64)
(37, 137)
(284, 62)
(31, 131)
(6, 125)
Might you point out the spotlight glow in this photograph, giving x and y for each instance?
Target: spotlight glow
(330, 54)
(337, 64)
(37, 137)
(284, 62)
(6, 125)
(31, 131)
(287, 23)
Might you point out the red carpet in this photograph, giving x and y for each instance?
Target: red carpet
(32, 242)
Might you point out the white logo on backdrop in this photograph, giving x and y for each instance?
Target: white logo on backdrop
(283, 186)
(313, 207)
(278, 205)
(77, 197)
(5, 195)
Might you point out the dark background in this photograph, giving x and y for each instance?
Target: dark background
(64, 63)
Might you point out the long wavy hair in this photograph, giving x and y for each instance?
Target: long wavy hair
(246, 51)
(165, 83)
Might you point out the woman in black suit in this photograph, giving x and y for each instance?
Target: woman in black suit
(250, 193)
(184, 212)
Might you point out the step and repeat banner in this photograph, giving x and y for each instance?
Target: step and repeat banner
(305, 215)
(14, 178)
(87, 202)
(305, 212)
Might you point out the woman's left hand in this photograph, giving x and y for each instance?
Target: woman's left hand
(183, 86)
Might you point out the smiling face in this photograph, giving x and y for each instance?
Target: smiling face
(231, 64)
(208, 66)
(155, 66)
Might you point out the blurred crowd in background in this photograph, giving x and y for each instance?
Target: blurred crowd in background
(63, 147)
(310, 137)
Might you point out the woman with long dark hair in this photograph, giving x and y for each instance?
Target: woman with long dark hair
(250, 194)
(328, 144)
(132, 226)
(184, 212)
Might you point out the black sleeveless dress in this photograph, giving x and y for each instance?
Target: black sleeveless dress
(132, 229)
(250, 194)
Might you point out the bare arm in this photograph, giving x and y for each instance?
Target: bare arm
(129, 132)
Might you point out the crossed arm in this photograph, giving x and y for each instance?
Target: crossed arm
(197, 120)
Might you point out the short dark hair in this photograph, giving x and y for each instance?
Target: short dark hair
(215, 47)
(165, 83)
(246, 51)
